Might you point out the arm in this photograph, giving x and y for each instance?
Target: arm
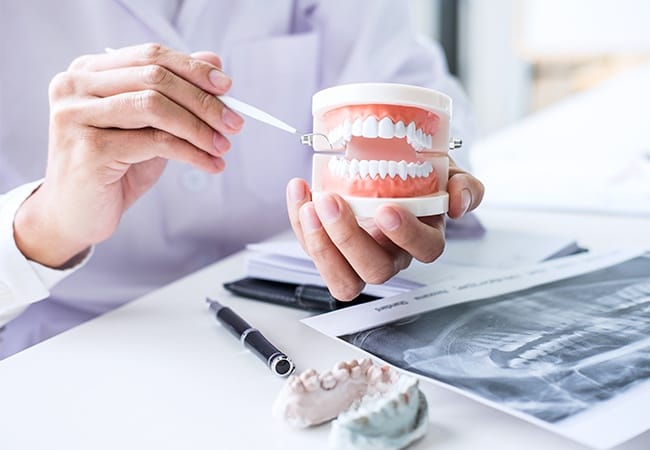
(115, 119)
(22, 281)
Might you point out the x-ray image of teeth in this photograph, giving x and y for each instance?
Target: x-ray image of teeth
(551, 351)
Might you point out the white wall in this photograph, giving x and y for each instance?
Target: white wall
(496, 80)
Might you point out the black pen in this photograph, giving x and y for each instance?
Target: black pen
(302, 296)
(277, 361)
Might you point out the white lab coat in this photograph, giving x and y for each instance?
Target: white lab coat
(278, 54)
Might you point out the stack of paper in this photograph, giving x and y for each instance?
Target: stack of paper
(285, 261)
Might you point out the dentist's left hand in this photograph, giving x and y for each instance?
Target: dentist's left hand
(350, 253)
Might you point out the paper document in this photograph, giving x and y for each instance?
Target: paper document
(564, 344)
(285, 261)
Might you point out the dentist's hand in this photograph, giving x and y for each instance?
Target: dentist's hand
(350, 253)
(115, 119)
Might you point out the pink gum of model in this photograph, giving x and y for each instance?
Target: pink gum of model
(394, 139)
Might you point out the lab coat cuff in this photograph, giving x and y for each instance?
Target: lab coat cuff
(23, 281)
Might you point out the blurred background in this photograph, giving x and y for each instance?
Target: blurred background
(516, 56)
(557, 86)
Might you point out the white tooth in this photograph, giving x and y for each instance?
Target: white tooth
(341, 374)
(365, 364)
(374, 374)
(341, 365)
(357, 127)
(386, 128)
(327, 381)
(331, 165)
(421, 171)
(410, 131)
(347, 129)
(343, 168)
(401, 169)
(400, 129)
(411, 169)
(382, 167)
(336, 168)
(428, 168)
(353, 171)
(370, 127)
(373, 168)
(429, 141)
(338, 135)
(363, 168)
(392, 169)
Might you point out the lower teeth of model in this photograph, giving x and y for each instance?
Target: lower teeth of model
(379, 168)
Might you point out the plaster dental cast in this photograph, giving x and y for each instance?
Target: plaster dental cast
(121, 172)
(373, 406)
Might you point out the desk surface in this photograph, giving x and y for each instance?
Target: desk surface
(161, 373)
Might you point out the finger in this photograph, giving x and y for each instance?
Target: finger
(134, 146)
(465, 192)
(208, 57)
(132, 79)
(198, 72)
(368, 258)
(145, 109)
(421, 237)
(297, 194)
(342, 280)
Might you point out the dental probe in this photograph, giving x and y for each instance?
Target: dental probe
(264, 117)
(257, 114)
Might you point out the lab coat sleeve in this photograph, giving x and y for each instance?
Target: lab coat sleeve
(22, 281)
(374, 40)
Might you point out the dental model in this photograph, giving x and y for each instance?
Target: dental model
(388, 421)
(395, 142)
(377, 407)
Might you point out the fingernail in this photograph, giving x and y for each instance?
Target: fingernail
(296, 191)
(221, 143)
(328, 209)
(219, 163)
(219, 79)
(309, 219)
(389, 220)
(467, 199)
(231, 119)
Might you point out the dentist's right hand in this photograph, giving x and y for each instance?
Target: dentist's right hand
(115, 119)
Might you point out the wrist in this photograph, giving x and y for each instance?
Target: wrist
(38, 238)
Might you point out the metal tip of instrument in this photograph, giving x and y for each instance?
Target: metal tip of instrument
(308, 139)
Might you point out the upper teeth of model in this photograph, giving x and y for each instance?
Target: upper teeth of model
(373, 168)
(384, 128)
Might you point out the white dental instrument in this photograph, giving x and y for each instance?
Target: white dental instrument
(257, 114)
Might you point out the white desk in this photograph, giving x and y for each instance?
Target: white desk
(160, 373)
